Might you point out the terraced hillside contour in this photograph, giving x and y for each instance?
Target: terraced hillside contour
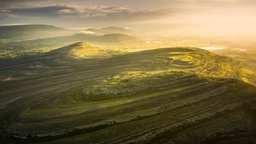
(170, 95)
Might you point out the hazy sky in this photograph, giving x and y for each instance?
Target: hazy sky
(232, 17)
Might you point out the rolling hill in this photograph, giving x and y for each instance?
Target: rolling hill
(169, 95)
(32, 47)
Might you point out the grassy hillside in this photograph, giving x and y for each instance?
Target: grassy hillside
(170, 95)
(82, 50)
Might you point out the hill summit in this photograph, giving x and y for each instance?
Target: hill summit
(82, 50)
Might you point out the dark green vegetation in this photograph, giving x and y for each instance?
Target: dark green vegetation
(170, 95)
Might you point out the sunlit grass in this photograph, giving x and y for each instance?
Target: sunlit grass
(86, 50)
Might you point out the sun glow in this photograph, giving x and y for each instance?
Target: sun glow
(212, 48)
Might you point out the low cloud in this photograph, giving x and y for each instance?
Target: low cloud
(66, 11)
(50, 11)
(5, 11)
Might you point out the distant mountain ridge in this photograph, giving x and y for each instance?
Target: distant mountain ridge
(27, 32)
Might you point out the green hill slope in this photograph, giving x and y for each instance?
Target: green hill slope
(170, 95)
(81, 50)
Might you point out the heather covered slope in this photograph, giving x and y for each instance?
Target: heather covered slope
(173, 95)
